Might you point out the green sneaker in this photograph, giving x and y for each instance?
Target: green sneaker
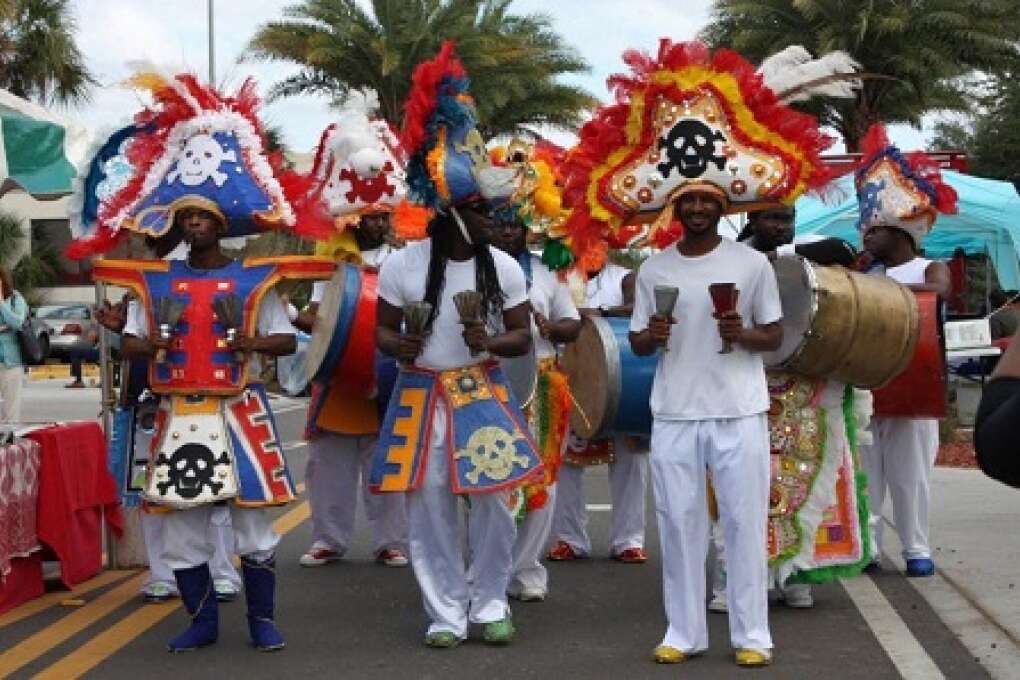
(442, 639)
(499, 632)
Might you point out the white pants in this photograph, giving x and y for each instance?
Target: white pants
(188, 542)
(628, 484)
(220, 533)
(338, 466)
(901, 458)
(436, 555)
(737, 453)
(529, 548)
(11, 379)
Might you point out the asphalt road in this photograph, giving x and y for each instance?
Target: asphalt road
(356, 619)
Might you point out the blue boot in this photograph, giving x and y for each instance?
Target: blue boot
(259, 587)
(195, 586)
(920, 567)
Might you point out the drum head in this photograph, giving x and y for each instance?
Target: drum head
(522, 374)
(592, 365)
(326, 324)
(797, 293)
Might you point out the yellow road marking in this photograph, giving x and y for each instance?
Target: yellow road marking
(117, 636)
(35, 646)
(46, 601)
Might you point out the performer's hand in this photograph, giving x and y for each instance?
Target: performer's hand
(731, 326)
(112, 317)
(409, 347)
(589, 311)
(659, 327)
(242, 344)
(543, 325)
(157, 345)
(476, 337)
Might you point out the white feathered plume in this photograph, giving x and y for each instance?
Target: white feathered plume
(794, 75)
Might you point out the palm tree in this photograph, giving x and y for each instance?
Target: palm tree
(927, 49)
(31, 270)
(513, 60)
(38, 56)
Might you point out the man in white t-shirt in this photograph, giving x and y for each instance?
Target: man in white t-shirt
(709, 410)
(555, 320)
(609, 292)
(433, 270)
(342, 437)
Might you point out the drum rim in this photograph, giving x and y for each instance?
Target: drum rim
(351, 276)
(613, 374)
(812, 281)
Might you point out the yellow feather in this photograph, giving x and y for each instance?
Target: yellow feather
(147, 80)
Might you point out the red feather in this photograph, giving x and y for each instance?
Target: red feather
(101, 242)
(421, 100)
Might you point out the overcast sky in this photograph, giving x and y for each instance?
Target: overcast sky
(114, 33)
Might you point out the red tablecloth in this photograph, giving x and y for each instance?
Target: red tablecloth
(75, 486)
(19, 491)
(20, 573)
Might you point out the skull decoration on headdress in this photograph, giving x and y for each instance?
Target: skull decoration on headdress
(687, 119)
(195, 148)
(899, 190)
(448, 163)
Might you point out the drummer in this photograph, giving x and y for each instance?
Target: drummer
(898, 203)
(342, 429)
(609, 292)
(554, 320)
(770, 231)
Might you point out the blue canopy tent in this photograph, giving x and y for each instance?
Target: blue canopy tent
(988, 222)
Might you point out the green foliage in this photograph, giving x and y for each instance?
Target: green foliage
(34, 270)
(991, 135)
(39, 58)
(513, 60)
(927, 47)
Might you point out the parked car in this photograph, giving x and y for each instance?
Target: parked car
(71, 326)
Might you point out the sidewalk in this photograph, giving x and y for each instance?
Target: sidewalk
(975, 534)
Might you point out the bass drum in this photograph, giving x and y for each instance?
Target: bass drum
(843, 325)
(343, 337)
(920, 390)
(598, 365)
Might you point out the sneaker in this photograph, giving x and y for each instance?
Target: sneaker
(563, 552)
(718, 604)
(631, 556)
(874, 567)
(798, 596)
(442, 639)
(751, 658)
(528, 594)
(667, 654)
(77, 384)
(316, 557)
(157, 592)
(498, 632)
(225, 590)
(392, 558)
(920, 567)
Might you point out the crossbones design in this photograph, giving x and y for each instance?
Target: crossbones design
(690, 147)
(199, 161)
(190, 469)
(493, 453)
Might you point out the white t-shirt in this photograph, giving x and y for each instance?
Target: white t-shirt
(272, 320)
(402, 280)
(550, 297)
(370, 258)
(606, 287)
(692, 380)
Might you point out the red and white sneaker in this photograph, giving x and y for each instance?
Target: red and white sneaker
(631, 556)
(392, 558)
(563, 552)
(316, 557)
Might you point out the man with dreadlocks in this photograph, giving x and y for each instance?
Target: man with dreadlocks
(453, 426)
